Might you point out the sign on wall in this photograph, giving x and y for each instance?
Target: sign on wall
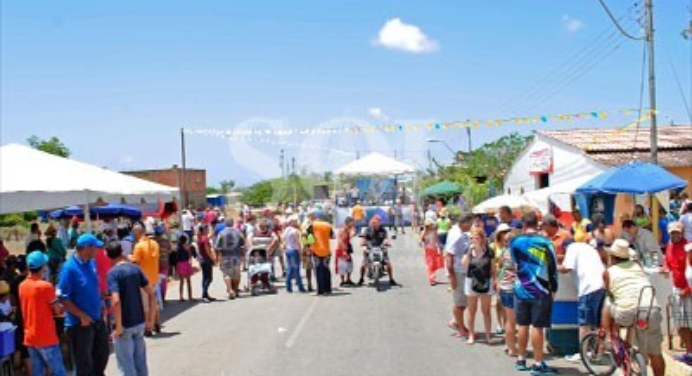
(541, 161)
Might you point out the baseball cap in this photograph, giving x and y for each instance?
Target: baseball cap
(36, 259)
(503, 227)
(85, 240)
(674, 226)
(159, 230)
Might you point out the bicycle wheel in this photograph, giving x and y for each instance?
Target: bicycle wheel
(596, 359)
(638, 366)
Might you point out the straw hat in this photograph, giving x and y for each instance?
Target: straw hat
(429, 222)
(621, 249)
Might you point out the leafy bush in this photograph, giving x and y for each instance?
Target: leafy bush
(11, 220)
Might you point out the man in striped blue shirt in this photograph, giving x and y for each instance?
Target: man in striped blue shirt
(534, 289)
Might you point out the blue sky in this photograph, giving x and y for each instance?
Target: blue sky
(117, 80)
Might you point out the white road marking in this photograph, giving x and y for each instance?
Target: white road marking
(292, 340)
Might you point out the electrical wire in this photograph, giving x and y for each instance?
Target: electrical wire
(617, 24)
(594, 51)
(573, 75)
(582, 55)
(674, 72)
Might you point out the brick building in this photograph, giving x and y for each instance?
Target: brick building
(194, 192)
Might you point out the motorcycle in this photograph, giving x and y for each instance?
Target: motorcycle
(376, 265)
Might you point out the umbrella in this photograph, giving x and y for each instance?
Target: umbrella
(441, 189)
(495, 203)
(634, 178)
(110, 210)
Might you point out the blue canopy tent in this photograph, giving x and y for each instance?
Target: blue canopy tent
(633, 178)
(108, 211)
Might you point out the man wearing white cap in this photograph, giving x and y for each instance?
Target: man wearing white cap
(294, 248)
(630, 293)
(676, 263)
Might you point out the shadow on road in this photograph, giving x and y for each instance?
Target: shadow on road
(173, 308)
(165, 335)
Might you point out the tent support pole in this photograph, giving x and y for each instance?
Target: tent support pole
(87, 216)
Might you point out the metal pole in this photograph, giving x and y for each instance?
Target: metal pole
(281, 163)
(295, 181)
(183, 186)
(468, 134)
(652, 80)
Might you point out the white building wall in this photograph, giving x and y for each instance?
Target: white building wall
(569, 162)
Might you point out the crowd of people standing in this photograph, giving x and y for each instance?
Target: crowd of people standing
(516, 260)
(107, 289)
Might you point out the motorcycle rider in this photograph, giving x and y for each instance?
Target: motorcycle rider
(376, 236)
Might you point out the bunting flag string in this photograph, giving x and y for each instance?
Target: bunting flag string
(303, 146)
(618, 132)
(477, 123)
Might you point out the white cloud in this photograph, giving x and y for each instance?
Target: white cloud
(572, 25)
(377, 113)
(397, 35)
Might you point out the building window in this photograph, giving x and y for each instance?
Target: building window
(542, 181)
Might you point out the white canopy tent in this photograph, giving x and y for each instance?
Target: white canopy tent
(375, 164)
(560, 194)
(494, 204)
(33, 180)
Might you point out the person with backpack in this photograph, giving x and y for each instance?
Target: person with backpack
(230, 255)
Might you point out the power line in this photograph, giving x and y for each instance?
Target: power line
(594, 49)
(573, 76)
(679, 84)
(617, 24)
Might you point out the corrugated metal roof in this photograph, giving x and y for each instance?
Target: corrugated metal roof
(615, 146)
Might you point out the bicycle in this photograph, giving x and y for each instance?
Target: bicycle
(602, 361)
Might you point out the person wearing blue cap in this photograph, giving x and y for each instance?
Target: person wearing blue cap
(78, 291)
(38, 305)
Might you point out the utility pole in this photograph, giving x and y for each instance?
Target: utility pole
(652, 79)
(281, 164)
(468, 134)
(182, 185)
(295, 182)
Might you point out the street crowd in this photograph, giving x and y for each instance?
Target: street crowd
(90, 290)
(516, 261)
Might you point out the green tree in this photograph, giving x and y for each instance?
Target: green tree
(481, 169)
(227, 186)
(494, 159)
(53, 146)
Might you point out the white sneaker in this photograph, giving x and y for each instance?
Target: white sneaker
(576, 358)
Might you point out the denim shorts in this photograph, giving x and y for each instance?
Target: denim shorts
(507, 299)
(590, 308)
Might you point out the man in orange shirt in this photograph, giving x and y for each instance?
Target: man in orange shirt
(321, 252)
(557, 235)
(38, 304)
(146, 254)
(358, 215)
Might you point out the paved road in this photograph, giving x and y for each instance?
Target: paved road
(357, 331)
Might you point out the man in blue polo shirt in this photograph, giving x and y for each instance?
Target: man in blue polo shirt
(78, 291)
